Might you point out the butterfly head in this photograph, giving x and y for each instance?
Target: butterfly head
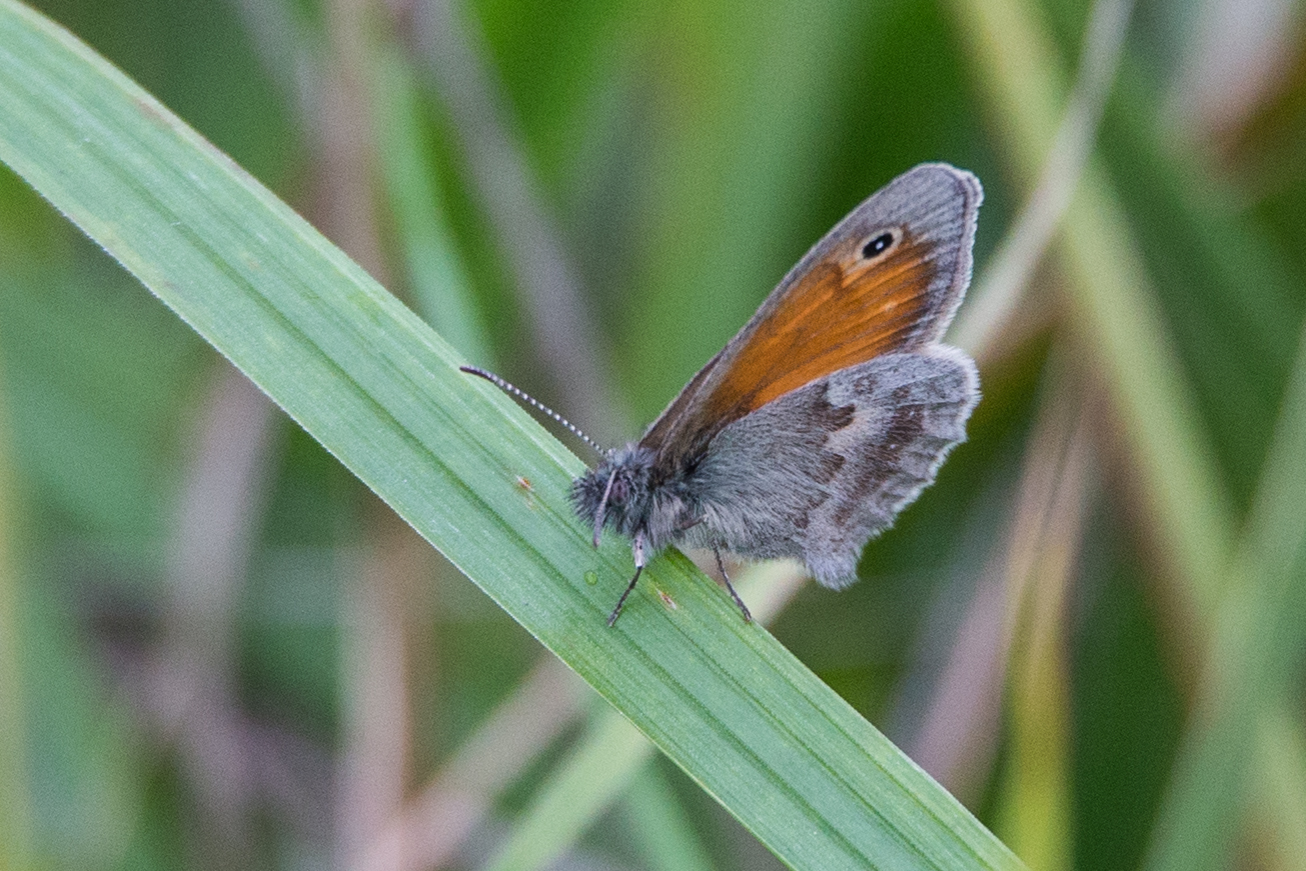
(618, 494)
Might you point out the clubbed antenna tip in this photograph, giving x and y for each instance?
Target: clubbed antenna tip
(531, 400)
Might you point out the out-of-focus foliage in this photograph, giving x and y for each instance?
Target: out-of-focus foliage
(1056, 630)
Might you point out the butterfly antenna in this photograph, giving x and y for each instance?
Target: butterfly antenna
(506, 387)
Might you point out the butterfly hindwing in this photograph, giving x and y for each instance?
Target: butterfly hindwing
(911, 410)
(820, 471)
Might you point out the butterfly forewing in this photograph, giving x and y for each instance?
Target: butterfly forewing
(887, 278)
(830, 321)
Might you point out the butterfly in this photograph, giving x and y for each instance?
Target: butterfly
(825, 415)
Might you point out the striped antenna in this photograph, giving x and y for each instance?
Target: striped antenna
(526, 397)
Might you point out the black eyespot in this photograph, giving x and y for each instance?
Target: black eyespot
(877, 246)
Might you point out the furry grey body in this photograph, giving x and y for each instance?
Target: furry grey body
(816, 472)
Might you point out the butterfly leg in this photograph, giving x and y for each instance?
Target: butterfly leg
(616, 612)
(716, 551)
(637, 549)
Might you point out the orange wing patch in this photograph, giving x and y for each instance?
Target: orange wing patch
(843, 312)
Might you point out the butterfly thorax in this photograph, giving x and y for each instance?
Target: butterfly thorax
(632, 502)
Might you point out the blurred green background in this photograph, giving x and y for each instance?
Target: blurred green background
(218, 650)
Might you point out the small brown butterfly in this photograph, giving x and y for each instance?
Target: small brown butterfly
(827, 414)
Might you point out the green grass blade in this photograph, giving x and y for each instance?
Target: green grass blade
(601, 766)
(661, 826)
(1281, 761)
(436, 276)
(15, 800)
(1113, 306)
(1255, 658)
(611, 753)
(1250, 633)
(468, 469)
